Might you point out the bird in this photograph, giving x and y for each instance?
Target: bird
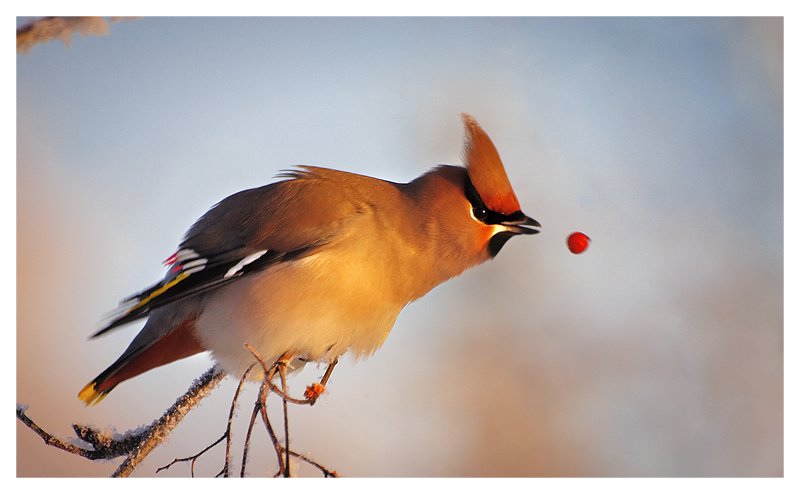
(316, 264)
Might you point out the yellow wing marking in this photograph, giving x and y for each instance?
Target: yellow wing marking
(156, 293)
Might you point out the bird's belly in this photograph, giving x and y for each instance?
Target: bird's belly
(312, 308)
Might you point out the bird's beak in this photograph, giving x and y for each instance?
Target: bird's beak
(517, 225)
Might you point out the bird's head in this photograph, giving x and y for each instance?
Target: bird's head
(489, 192)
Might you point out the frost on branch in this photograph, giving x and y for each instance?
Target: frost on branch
(136, 445)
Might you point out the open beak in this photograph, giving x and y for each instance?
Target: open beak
(519, 226)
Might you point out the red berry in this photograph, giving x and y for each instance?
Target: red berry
(578, 242)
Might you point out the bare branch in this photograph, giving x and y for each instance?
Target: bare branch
(99, 453)
(226, 469)
(194, 457)
(162, 427)
(311, 395)
(226, 435)
(137, 445)
(325, 471)
(282, 372)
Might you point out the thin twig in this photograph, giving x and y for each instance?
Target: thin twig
(275, 443)
(324, 470)
(282, 371)
(296, 401)
(192, 458)
(253, 417)
(325, 377)
(226, 468)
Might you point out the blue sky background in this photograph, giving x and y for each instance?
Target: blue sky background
(658, 352)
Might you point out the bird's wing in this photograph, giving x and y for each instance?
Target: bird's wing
(248, 232)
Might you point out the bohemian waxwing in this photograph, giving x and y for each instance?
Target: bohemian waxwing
(317, 264)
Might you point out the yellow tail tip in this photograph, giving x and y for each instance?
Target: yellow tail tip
(90, 396)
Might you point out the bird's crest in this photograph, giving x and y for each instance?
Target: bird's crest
(486, 170)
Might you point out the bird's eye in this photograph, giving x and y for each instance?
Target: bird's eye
(479, 213)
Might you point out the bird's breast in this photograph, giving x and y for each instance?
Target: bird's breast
(317, 308)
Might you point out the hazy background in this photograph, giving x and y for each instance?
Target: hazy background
(658, 352)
